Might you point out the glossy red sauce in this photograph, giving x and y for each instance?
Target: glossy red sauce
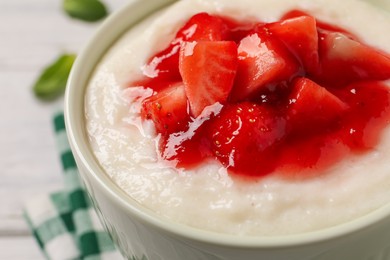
(298, 144)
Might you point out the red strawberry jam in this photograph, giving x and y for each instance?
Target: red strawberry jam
(296, 94)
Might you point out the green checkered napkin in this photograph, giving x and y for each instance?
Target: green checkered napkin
(64, 223)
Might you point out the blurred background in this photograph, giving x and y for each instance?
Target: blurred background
(33, 34)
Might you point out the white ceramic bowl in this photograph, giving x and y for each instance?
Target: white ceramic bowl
(141, 234)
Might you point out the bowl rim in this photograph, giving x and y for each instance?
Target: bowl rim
(108, 32)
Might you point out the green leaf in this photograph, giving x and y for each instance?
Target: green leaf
(86, 10)
(52, 82)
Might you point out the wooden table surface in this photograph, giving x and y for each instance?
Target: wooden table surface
(32, 34)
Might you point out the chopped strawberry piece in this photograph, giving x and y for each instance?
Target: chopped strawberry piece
(208, 69)
(293, 14)
(167, 109)
(301, 38)
(322, 26)
(313, 107)
(244, 137)
(200, 27)
(204, 27)
(345, 60)
(262, 63)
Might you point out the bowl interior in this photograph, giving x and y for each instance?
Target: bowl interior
(85, 64)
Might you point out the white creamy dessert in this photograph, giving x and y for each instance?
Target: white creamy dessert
(207, 197)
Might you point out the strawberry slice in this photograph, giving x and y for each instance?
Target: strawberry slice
(301, 38)
(244, 137)
(313, 107)
(200, 27)
(208, 69)
(345, 60)
(262, 63)
(167, 109)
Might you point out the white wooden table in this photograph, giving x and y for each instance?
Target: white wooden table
(32, 34)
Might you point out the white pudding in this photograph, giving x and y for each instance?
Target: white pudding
(207, 197)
